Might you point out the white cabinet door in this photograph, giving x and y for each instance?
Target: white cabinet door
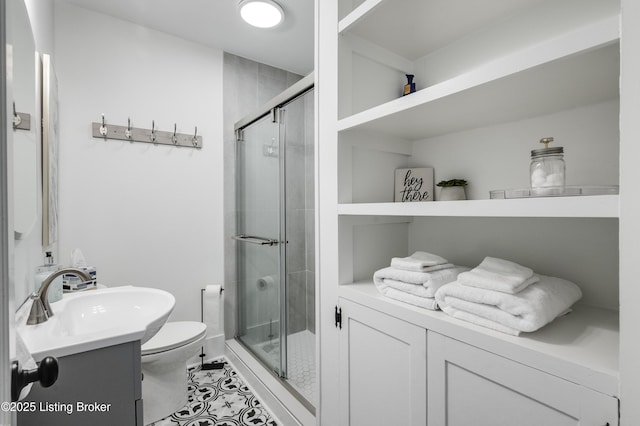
(382, 369)
(470, 386)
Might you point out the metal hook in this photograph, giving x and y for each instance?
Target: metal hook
(174, 138)
(16, 118)
(127, 132)
(103, 128)
(194, 140)
(153, 131)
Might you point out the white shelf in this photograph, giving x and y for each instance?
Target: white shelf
(581, 347)
(579, 68)
(357, 14)
(602, 206)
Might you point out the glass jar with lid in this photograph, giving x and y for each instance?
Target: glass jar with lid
(547, 166)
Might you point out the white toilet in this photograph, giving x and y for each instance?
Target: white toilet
(164, 367)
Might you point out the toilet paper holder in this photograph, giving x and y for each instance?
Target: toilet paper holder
(211, 365)
(202, 290)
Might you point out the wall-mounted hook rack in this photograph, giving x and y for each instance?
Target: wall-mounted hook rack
(135, 134)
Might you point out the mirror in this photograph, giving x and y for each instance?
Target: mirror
(49, 153)
(21, 53)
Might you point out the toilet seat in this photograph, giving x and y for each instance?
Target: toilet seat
(174, 335)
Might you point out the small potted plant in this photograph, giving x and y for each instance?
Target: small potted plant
(452, 190)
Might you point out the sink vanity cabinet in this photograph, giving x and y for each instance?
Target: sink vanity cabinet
(493, 78)
(96, 337)
(101, 387)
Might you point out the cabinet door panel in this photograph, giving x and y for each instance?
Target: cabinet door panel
(383, 369)
(473, 399)
(468, 386)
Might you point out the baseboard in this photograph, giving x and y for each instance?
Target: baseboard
(212, 347)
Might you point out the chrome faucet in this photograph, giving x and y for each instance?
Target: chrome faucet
(41, 309)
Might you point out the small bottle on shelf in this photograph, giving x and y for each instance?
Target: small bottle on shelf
(410, 87)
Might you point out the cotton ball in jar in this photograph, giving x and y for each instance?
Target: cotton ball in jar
(554, 179)
(538, 178)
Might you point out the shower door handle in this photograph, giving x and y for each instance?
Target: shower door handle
(256, 240)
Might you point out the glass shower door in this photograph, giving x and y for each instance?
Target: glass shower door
(258, 226)
(275, 242)
(297, 137)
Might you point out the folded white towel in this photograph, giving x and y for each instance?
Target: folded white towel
(425, 284)
(528, 310)
(416, 290)
(412, 299)
(441, 277)
(500, 275)
(418, 261)
(411, 277)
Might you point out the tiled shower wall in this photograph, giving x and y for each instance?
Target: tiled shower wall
(247, 86)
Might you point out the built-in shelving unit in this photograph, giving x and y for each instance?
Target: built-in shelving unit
(493, 77)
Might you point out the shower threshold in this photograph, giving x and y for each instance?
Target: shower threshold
(276, 392)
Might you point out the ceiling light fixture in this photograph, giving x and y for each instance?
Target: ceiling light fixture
(261, 13)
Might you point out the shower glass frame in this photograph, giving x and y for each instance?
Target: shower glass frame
(273, 121)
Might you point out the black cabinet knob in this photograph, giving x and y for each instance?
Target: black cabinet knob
(46, 374)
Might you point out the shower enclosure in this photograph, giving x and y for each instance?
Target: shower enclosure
(275, 253)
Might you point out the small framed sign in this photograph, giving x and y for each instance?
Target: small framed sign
(414, 184)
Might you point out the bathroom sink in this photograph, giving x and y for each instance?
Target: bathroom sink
(95, 319)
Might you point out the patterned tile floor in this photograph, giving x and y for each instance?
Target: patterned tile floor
(218, 398)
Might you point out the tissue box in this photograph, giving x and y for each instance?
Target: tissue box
(71, 283)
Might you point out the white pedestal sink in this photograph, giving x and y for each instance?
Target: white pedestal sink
(95, 319)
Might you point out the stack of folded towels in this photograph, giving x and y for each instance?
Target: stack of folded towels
(507, 297)
(415, 279)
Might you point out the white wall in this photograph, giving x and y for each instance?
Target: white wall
(143, 214)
